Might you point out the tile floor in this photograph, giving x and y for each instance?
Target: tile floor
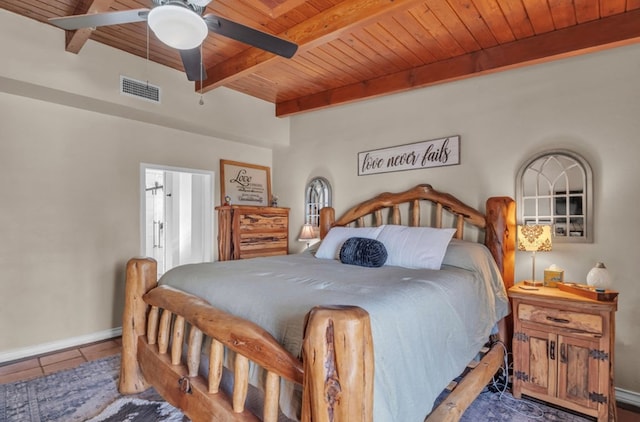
(628, 413)
(38, 366)
(29, 368)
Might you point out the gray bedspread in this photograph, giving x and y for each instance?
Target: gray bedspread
(426, 324)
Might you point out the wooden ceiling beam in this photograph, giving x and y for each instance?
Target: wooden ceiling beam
(613, 31)
(275, 8)
(75, 40)
(320, 29)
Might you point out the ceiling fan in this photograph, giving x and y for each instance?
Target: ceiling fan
(180, 24)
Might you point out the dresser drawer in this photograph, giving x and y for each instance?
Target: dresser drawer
(259, 222)
(579, 321)
(254, 245)
(249, 241)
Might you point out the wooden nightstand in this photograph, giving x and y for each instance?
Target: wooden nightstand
(563, 347)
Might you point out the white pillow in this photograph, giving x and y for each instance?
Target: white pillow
(332, 242)
(415, 247)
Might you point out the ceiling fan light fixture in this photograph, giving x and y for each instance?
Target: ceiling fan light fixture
(177, 26)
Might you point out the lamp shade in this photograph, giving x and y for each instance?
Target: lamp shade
(177, 26)
(534, 238)
(307, 233)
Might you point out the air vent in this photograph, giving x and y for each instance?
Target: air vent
(139, 89)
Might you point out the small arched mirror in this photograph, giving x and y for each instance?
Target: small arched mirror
(555, 188)
(317, 196)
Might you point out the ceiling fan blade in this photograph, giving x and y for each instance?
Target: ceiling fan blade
(92, 20)
(193, 64)
(251, 36)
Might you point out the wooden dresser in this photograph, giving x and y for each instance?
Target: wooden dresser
(249, 232)
(563, 348)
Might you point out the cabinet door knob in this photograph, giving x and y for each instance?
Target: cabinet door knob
(552, 350)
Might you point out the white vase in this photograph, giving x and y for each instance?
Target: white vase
(599, 277)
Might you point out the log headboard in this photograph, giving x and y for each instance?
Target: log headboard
(498, 221)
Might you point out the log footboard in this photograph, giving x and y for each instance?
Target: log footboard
(337, 349)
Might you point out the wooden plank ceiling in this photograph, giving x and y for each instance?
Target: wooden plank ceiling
(355, 49)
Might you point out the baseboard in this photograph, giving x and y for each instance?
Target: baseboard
(40, 349)
(628, 397)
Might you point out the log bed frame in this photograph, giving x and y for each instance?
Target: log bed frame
(337, 386)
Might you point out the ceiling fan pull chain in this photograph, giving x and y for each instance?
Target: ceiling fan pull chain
(201, 102)
(147, 62)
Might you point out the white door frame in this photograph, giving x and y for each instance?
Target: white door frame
(207, 204)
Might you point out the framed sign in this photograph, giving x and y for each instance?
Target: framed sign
(244, 184)
(420, 155)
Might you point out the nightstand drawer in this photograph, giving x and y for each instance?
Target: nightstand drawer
(589, 323)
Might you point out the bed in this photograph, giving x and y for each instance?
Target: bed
(299, 337)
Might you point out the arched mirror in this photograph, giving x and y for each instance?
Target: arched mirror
(555, 188)
(317, 196)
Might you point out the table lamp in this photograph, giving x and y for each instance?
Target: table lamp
(307, 234)
(534, 238)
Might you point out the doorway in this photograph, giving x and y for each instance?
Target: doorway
(176, 215)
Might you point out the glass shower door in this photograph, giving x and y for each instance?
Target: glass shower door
(178, 220)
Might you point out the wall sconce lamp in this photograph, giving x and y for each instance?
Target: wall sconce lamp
(534, 238)
(307, 234)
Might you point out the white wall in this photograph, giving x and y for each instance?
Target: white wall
(70, 212)
(588, 104)
(35, 65)
(70, 154)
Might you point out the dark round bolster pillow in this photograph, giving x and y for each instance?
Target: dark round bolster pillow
(363, 252)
